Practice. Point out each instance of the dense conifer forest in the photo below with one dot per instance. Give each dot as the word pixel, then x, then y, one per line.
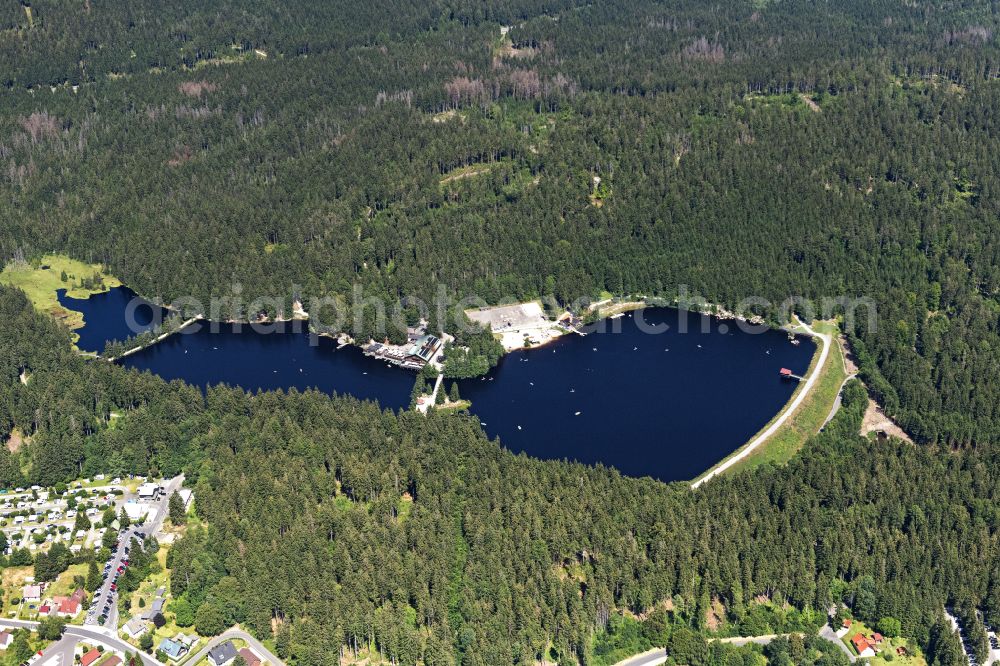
pixel 301 149
pixel 334 525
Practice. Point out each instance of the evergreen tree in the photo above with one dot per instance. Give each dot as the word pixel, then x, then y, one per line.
pixel 282 641
pixel 20 649
pixel 93 580
pixel 81 522
pixel 176 509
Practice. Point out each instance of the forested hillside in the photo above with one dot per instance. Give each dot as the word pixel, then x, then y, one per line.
pixel 333 525
pixel 305 148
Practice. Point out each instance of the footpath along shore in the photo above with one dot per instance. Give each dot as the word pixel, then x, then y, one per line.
pixel 159 338
pixel 785 415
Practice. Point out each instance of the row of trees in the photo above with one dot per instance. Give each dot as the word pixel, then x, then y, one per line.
pixel 115 348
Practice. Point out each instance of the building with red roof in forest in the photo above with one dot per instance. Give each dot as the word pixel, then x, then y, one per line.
pixel 864 646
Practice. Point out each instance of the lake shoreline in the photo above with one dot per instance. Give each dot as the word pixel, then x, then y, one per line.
pixel 690 377
pixel 791 413
pixel 42 280
pixel 605 309
pixel 159 338
pixel 694 396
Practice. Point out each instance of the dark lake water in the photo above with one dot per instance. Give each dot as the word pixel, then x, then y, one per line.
pixel 667 404
pixel 108 316
pixel 238 356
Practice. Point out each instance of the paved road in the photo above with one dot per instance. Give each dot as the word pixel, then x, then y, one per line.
pixel 826 631
pixel 59 653
pixel 74 633
pixel 838 401
pixel 263 652
pixel 651 658
pixel 103 594
pixel 961 635
pixel 659 655
pixel 108 639
pixel 740 641
pixel 780 421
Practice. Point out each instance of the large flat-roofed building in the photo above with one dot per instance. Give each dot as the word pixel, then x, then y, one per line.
pixel 137 511
pixel 424 349
pixel 149 491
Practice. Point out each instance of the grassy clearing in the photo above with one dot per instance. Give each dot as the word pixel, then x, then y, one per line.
pixel 403 507
pixel 147 591
pixel 445 116
pixel 453 407
pixel 613 309
pixel 810 415
pixel 791 100
pixel 14 579
pixel 41 280
pixel 131 485
pixel 64 585
pixel 237 58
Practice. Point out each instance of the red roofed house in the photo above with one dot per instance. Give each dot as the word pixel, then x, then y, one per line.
pixel 861 644
pixel 68 607
pixel 90 657
pixel 250 657
pixel 6 638
pixel 113 660
pixel 847 623
pixel 877 637
pixel 45 609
